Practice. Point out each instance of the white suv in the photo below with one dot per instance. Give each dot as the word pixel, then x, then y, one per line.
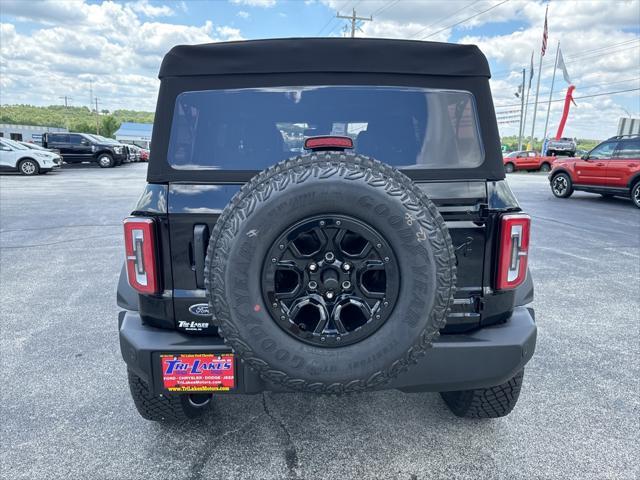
pixel 16 157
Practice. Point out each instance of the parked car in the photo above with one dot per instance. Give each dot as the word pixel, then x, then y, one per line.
pixel 14 156
pixel 527 160
pixel 134 152
pixel 562 146
pixel 330 271
pixel 144 155
pixel 612 168
pixel 35 146
pixel 82 147
pixel 115 143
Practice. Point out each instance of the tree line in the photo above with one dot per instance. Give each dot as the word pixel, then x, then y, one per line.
pixel 76 119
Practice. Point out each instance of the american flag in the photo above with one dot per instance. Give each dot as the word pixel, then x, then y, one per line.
pixel 545 34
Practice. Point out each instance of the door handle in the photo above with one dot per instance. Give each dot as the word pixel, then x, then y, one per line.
pixel 599 164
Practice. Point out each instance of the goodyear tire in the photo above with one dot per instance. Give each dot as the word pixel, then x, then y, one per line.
pixel 354 218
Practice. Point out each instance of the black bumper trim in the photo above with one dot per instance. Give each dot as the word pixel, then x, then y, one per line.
pixel 484 358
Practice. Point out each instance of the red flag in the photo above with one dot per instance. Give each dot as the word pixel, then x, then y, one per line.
pixel 545 34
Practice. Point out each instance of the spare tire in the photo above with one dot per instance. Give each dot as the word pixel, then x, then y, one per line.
pixel 330 273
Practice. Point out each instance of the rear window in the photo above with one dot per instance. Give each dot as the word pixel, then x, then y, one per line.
pixel 251 129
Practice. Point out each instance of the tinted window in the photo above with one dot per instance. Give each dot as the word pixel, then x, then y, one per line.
pixel 603 151
pixel 629 149
pixel 251 129
pixel 58 138
pixel 75 139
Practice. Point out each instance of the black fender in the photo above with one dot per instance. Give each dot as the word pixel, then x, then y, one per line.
pixel 524 293
pixel 126 297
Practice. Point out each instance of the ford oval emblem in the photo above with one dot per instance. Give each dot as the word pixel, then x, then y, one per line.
pixel 200 309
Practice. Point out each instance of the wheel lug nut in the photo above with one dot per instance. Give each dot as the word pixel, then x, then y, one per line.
pixel 275 305
pixel 386 259
pixel 346 267
pixel 313 285
pixel 313 267
pixel 346 285
pixel 338 222
pixel 329 295
pixel 377 317
pixel 329 257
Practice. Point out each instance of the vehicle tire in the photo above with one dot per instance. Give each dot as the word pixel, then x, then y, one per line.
pixel 106 161
pixel 168 407
pixel 635 194
pixel 362 225
pixel 545 167
pixel 28 167
pixel 490 402
pixel 509 168
pixel 561 185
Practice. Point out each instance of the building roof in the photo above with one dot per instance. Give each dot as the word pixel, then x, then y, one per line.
pixel 131 129
pixel 350 55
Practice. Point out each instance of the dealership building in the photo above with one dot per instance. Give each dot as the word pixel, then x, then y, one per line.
pixel 26 133
pixel 135 133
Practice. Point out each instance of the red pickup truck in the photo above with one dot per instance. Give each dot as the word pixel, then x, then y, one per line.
pixel 527 160
pixel 610 169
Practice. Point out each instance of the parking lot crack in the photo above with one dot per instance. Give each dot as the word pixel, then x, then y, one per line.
pixel 290 451
pixel 197 467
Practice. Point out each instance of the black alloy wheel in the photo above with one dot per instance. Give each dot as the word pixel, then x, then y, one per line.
pixel 330 280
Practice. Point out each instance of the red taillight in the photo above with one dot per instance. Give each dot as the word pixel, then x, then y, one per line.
pixel 328 143
pixel 140 248
pixel 514 250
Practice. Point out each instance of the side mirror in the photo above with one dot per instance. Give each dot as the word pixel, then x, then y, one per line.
pixel 585 156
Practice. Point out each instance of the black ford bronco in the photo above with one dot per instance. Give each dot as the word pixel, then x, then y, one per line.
pixel 326 216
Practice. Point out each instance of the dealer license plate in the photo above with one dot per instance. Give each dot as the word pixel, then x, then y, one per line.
pixel 198 372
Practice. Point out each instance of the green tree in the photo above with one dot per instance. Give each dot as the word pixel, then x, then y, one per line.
pixel 109 126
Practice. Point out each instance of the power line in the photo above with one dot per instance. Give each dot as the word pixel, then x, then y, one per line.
pixel 585 87
pixel 444 18
pixel 384 7
pixel 576 98
pixel 572 58
pixel 465 20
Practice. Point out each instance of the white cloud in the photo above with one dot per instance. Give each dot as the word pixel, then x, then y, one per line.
pixel 110 44
pixel 255 3
pixel 243 14
pixel 144 7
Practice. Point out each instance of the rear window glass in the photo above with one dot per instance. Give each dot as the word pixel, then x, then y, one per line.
pixel 251 129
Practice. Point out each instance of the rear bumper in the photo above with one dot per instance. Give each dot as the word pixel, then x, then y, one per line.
pixel 484 358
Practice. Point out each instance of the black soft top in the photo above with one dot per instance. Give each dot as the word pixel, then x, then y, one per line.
pixel 299 55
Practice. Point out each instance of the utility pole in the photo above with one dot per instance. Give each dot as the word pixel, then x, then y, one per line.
pixel 353 18
pixel 97 118
pixel 521 111
pixel 66 109
pixel 553 80
pixel 90 93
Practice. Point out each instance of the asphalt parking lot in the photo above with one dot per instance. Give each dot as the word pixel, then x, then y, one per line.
pixel 66 411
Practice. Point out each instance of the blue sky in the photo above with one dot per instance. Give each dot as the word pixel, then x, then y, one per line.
pixel 117 46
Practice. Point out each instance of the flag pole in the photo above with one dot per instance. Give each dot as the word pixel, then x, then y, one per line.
pixel 535 105
pixel 553 80
pixel 526 103
pixel 521 131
